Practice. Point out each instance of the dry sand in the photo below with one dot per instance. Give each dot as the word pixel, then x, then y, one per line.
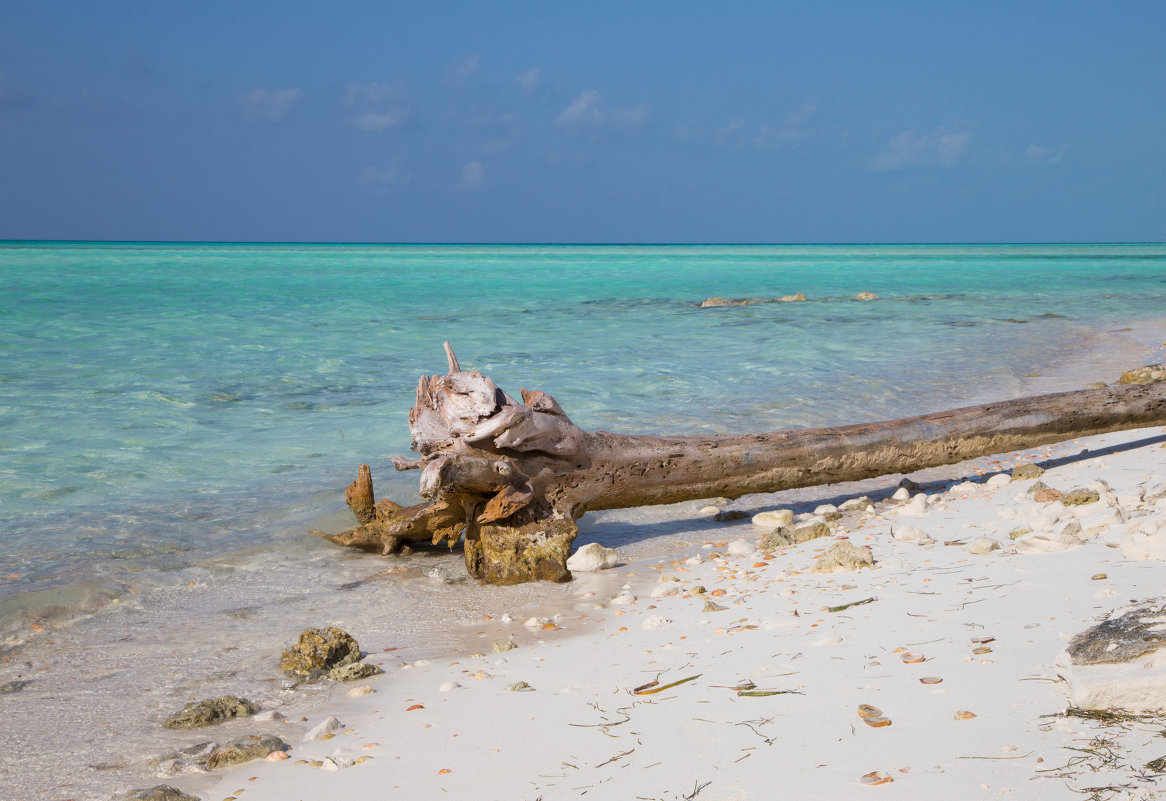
pixel 454 727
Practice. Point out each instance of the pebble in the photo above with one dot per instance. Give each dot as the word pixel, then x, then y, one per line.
pixel 741 548
pixel 655 622
pixel 449 686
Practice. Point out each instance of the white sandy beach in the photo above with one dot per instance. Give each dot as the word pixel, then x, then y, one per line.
pixel 455 728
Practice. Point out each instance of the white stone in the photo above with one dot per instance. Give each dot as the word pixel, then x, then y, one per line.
pixel 997 481
pixel 338 760
pixel 906 533
pixel 981 546
pixel 741 548
pixel 696 559
pixel 655 622
pixel 708 511
pixel 624 597
pixel 535 622
pixel 825 509
pixel 1100 522
pixel 1137 686
pixel 592 557
pixel 916 507
pixel 267 714
pixel 665 589
pixel 1139 545
pixel 773 519
pixel 965 488
pixel 449 687
pixel 328 725
pixel 1132 499
pixel 1046 543
pixel 901 494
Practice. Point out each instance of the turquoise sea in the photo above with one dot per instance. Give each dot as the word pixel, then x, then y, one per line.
pixel 175 418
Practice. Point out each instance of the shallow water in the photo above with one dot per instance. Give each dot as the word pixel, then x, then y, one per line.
pixel 174 419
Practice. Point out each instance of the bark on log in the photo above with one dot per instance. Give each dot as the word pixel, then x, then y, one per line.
pixel 513 478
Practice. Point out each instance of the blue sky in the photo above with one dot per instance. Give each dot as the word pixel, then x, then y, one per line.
pixel 591 122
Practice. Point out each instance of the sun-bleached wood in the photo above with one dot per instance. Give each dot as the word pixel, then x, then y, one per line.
pixel 513 477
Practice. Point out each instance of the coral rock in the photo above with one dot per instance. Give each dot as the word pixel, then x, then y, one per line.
pixel 318 651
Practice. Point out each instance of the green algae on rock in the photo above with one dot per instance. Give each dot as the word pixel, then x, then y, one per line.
pixel 244 749
pixel 1023 472
pixel 1080 497
pixel 319 650
pixel 210 711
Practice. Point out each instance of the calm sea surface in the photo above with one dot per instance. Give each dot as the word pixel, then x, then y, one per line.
pixel 175 418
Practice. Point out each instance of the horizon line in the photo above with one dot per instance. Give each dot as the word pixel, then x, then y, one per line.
pixel 469 243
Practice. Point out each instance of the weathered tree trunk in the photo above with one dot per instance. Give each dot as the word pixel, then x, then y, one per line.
pixel 513 477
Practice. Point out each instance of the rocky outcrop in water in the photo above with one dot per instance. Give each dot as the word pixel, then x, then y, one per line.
pixel 210 711
pixel 319 650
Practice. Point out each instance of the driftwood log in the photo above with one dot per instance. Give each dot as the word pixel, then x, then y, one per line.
pixel 513 478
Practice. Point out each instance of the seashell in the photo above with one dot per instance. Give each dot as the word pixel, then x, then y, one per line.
pixel 878 722
pixel 718 593
pixel 1099 577
pixel 444 771
pixel 875 778
pixel 964 714
pixel 761 564
pixel 931 680
pixel 983 639
pixel 868 711
pixel 912 657
pixel 276 756
pixel 983 649
pixel 415 707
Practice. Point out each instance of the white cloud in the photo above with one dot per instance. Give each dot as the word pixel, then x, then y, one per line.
pixel 461 71
pixel 381 181
pixel 1048 156
pixel 377 106
pixel 792 128
pixel 473 175
pixel 530 80
pixel 941 149
pixel 587 111
pixel 269 105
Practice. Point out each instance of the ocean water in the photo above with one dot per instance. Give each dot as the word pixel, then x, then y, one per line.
pixel 176 418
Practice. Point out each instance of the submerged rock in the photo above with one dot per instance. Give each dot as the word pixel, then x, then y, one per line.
pixel 1120 663
pixel 795 298
pixel 318 651
pixel 210 711
pixel 866 296
pixel 354 671
pixel 161 792
pixel 842 557
pixel 244 749
pixel 592 557
pixel 729 515
pixel 13 686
